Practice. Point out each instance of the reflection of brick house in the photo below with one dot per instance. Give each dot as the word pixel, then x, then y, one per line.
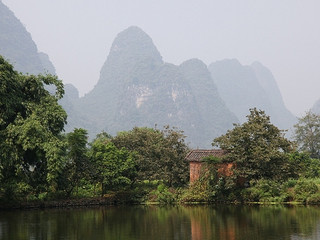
pixel 195 159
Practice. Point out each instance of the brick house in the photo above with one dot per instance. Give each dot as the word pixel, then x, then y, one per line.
pixel 195 159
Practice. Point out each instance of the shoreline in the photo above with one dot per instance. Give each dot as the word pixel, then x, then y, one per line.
pixel 64 203
pixel 110 201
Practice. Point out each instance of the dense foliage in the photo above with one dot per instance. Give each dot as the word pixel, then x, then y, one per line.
pixel 307 134
pixel 31 121
pixel 272 171
pixel 160 154
pixel 113 168
pixel 258 148
pixel 76 166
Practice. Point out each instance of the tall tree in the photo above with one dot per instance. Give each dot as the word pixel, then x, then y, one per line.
pixel 77 165
pixel 175 168
pixel 31 121
pixel 160 154
pixel 146 143
pixel 307 134
pixel 114 168
pixel 257 147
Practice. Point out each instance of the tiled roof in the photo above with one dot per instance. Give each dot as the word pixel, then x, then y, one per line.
pixel 198 154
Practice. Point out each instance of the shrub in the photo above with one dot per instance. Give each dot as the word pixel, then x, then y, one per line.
pixel 304 189
pixel 291 183
pixel 197 192
pixel 163 194
pixel 265 191
pixel 314 199
pixel 43 196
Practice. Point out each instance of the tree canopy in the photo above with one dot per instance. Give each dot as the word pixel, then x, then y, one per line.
pixel 159 154
pixel 77 165
pixel 307 134
pixel 31 121
pixel 258 148
pixel 113 168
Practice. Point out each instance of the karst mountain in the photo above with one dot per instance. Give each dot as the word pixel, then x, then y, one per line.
pixel 137 88
pixel 316 107
pixel 17 46
pixel 243 87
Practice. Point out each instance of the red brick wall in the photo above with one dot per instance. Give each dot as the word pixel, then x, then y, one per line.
pixel 224 169
pixel 195 169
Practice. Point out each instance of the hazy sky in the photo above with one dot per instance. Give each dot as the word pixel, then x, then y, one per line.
pixel 283 35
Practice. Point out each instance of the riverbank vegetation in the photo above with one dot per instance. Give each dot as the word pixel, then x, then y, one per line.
pixel 40 163
pixel 267 167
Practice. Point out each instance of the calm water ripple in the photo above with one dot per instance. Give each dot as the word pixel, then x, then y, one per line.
pixel 167 223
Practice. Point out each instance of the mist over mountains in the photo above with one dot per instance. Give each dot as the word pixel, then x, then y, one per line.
pixel 17 46
pixel 316 107
pixel 245 87
pixel 137 88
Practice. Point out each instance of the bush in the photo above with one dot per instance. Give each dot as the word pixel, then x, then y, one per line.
pixel 197 192
pixel 86 190
pixel 210 188
pixel 314 199
pixel 15 191
pixel 265 191
pixel 304 189
pixel 313 169
pixel 291 183
pixel 163 194
pixel 43 196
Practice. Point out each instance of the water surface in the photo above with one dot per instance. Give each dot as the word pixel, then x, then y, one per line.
pixel 169 223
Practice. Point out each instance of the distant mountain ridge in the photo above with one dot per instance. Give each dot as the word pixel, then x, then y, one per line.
pixel 17 46
pixel 137 88
pixel 244 87
pixel 316 107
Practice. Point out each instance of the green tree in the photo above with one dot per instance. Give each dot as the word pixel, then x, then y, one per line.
pixel 303 165
pixel 146 143
pixel 31 120
pixel 160 154
pixel 307 134
pixel 114 168
pixel 174 168
pixel 257 147
pixel 77 164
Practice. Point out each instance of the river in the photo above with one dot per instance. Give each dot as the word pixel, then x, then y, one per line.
pixel 163 222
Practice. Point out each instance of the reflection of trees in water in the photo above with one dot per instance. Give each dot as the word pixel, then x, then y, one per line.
pixel 134 222
pixel 155 222
pixel 253 222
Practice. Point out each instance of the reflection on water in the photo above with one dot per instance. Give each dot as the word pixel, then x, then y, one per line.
pixel 156 222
